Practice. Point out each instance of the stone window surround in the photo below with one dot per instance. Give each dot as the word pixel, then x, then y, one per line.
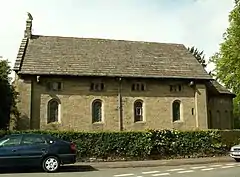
pixel 176 87
pixel 59 110
pixel 101 86
pixel 141 84
pixel 143 110
pixel 51 81
pixel 102 110
pixel 180 110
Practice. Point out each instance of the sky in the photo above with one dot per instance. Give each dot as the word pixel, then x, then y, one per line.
pixel 199 23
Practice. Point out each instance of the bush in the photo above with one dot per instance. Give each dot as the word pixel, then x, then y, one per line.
pixel 151 144
pixel 174 144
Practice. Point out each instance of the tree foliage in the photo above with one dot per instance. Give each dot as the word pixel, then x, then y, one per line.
pixel 8 96
pixel 198 55
pixel 227 60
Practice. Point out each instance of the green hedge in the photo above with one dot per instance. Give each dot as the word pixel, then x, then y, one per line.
pixel 151 144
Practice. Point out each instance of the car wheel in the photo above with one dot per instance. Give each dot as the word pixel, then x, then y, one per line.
pixel 238 160
pixel 50 164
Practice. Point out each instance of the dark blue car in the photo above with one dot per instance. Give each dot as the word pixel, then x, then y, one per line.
pixel 41 150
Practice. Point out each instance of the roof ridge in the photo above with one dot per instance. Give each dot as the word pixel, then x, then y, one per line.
pixel 109 39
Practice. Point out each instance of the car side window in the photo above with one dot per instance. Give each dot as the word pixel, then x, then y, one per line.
pixel 33 140
pixel 10 141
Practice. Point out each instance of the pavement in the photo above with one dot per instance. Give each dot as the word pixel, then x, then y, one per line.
pixel 156 163
pixel 216 169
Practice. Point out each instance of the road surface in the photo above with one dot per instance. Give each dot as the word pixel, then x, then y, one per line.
pixel 206 170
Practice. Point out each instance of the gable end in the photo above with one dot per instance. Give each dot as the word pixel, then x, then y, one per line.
pixel 20 55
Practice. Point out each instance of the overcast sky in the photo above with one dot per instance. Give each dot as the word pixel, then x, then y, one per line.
pixel 192 22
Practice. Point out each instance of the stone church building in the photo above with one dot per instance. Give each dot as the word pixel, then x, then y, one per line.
pixel 71 83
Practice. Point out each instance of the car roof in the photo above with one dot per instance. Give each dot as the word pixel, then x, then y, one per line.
pixel 21 134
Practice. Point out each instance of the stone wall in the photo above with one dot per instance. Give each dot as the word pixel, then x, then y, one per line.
pixel 220 112
pixel 76 99
pixel 24 87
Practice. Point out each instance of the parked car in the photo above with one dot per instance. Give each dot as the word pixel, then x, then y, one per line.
pixel 40 150
pixel 235 152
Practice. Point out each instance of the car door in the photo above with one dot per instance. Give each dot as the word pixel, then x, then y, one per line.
pixel 9 150
pixel 33 147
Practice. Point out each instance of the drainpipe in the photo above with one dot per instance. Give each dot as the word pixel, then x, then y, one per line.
pixel 192 84
pixel 120 110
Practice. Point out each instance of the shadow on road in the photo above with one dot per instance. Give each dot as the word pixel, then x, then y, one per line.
pixel 77 168
pixel 69 168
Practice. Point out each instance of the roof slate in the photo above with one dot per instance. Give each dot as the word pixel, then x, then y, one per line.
pixel 220 88
pixel 21 53
pixel 104 57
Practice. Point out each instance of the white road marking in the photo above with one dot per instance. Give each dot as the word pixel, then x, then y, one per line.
pixel 215 165
pixel 227 166
pixel 187 171
pixel 207 169
pixel 231 164
pixel 199 167
pixel 139 176
pixel 176 169
pixel 130 174
pixel 161 174
pixel 150 172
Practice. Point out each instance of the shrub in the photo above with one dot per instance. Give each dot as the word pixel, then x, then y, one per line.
pixel 152 144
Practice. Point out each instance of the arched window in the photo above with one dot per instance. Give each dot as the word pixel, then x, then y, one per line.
pixel 97 111
pixel 176 110
pixel 226 119
pixel 210 120
pixel 226 115
pixel 218 119
pixel 53 111
pixel 138 111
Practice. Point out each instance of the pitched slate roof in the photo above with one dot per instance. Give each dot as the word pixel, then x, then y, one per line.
pixel 44 55
pixel 216 87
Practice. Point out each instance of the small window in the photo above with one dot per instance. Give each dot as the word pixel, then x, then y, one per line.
pixel 53 111
pixel 138 87
pixel 138 111
pixel 179 88
pixel 175 88
pixel 92 86
pixel 176 110
pixel 226 115
pixel 218 119
pixel 192 111
pixel 227 118
pixel 210 120
pixel 97 111
pixel 97 86
pixel 54 86
pixel 133 87
pixel 102 86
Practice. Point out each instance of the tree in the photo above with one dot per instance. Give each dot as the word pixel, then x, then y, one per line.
pixel 8 96
pixel 227 60
pixel 198 55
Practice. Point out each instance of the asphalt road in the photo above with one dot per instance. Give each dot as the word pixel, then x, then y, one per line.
pixel 206 170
